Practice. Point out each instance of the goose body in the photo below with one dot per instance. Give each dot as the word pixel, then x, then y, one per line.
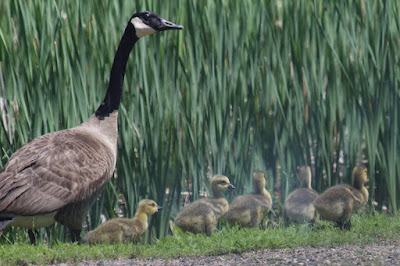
pixel 56 177
pixel 249 210
pixel 299 205
pixel 339 202
pixel 201 216
pixel 123 230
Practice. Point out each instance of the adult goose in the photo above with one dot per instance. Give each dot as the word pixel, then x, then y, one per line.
pixel 56 177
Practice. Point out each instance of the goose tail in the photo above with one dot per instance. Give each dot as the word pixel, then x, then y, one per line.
pixel 4 222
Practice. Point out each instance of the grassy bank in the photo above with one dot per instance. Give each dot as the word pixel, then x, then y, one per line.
pixel 366 229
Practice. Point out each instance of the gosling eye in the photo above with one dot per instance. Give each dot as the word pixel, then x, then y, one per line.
pixel 153 204
pixel 223 182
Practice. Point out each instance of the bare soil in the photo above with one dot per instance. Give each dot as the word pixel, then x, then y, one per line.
pixel 381 253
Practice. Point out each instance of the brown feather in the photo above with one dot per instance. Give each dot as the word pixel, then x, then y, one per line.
pixel 62 171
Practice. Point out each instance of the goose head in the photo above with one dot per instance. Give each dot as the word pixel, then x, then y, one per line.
pixel 303 173
pixel 148 207
pixel 147 22
pixel 219 184
pixel 360 177
pixel 259 181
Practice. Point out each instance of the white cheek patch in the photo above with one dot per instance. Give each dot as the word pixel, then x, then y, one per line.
pixel 141 28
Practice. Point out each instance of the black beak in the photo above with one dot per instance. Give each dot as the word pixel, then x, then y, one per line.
pixel 166 25
pixel 159 207
pixel 230 186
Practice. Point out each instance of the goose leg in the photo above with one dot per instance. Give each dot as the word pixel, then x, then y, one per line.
pixel 75 235
pixel 344 225
pixel 32 236
pixel 347 225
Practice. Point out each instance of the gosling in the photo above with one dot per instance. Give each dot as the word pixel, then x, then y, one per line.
pixel 299 207
pixel 339 202
pixel 201 216
pixel 249 210
pixel 123 230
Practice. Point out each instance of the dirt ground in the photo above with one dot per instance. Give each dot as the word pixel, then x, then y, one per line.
pixel 382 253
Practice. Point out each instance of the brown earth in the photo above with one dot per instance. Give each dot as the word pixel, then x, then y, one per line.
pixel 381 253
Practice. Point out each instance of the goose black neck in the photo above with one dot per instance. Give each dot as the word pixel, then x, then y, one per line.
pixel 114 92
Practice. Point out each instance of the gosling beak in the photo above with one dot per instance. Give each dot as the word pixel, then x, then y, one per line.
pixel 230 186
pixel 167 25
pixel 159 207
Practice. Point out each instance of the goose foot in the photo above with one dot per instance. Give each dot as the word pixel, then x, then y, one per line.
pixel 344 225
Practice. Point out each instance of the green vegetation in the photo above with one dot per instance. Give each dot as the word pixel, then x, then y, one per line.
pixel 366 229
pixel 247 85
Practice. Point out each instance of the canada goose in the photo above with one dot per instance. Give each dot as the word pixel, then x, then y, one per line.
pixel 201 216
pixel 299 207
pixel 249 210
pixel 339 202
pixel 123 230
pixel 57 176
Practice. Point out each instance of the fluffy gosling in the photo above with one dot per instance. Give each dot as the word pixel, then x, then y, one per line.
pixel 339 202
pixel 249 210
pixel 299 206
pixel 201 216
pixel 123 230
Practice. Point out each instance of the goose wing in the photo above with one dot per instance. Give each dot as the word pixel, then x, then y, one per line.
pixel 52 171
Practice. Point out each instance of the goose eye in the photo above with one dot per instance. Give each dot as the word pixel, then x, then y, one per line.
pixel 153 204
pixel 223 182
pixel 145 17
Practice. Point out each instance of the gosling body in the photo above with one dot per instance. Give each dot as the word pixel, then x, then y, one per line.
pixel 249 210
pixel 339 202
pixel 201 216
pixel 299 205
pixel 123 230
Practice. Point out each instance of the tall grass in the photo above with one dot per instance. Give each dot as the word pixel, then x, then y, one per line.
pixel 246 85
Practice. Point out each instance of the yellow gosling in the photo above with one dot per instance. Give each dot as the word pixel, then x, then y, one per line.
pixel 339 202
pixel 123 230
pixel 299 207
pixel 201 216
pixel 249 210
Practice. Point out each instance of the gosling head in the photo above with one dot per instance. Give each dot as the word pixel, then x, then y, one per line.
pixel 360 177
pixel 148 207
pixel 259 181
pixel 147 22
pixel 219 184
pixel 303 173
